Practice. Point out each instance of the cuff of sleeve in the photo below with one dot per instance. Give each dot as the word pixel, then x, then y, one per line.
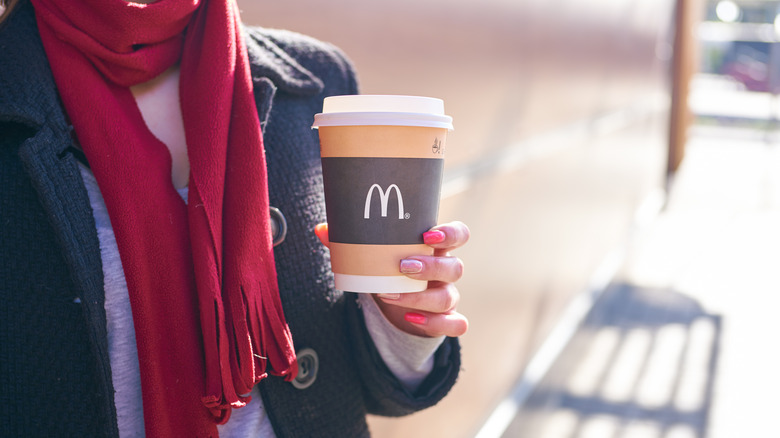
pixel 410 358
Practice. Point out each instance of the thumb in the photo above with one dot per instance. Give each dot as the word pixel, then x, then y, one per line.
pixel 321 230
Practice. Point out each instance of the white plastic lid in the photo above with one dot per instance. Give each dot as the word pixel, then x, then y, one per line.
pixel 383 110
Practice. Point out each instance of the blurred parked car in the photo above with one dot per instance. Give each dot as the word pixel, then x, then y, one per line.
pixel 748 62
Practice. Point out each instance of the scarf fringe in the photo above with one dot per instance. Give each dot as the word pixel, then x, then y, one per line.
pixel 250 335
pixel 282 364
pixel 271 349
pixel 221 396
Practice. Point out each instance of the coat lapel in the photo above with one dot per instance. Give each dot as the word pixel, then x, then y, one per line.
pixel 28 96
pixel 273 69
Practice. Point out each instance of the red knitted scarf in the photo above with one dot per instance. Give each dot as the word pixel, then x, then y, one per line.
pixel 201 275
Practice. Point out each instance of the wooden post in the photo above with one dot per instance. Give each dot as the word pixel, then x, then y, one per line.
pixel 684 65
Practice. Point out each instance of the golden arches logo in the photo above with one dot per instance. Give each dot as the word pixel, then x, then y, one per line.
pixel 384 196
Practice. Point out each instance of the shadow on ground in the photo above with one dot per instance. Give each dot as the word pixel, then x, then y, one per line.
pixel 642 365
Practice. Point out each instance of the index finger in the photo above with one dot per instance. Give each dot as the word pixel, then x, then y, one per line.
pixel 446 237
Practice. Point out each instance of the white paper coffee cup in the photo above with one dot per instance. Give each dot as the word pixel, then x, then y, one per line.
pixel 382 162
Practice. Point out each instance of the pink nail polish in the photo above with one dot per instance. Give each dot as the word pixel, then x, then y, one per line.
pixel 415 318
pixel 411 266
pixel 433 237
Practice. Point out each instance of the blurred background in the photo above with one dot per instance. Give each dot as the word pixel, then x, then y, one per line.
pixel 616 163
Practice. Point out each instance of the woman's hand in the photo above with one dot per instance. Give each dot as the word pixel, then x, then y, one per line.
pixel 431 312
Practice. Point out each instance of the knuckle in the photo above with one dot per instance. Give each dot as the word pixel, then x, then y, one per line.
pixel 460 233
pixel 438 267
pixel 465 233
pixel 449 298
pixel 458 325
pixel 446 301
pixel 447 268
pixel 457 268
pixel 462 328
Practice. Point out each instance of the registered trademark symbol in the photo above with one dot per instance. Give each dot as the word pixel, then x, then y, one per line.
pixel 407 216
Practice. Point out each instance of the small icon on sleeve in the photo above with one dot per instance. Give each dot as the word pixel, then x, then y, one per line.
pixel 438 147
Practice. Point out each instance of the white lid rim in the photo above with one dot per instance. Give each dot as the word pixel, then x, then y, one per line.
pixel 383 102
pixel 382 119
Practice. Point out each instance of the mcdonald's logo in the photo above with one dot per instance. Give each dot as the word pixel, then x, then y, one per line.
pixel 383 199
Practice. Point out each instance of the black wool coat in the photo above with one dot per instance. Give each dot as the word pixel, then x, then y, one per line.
pixel 55 377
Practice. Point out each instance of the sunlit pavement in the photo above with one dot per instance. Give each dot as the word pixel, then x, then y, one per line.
pixel 682 342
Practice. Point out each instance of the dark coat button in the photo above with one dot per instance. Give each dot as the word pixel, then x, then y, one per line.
pixel 308 366
pixel 278 226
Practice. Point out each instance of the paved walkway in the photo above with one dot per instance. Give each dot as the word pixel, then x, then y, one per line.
pixel 682 344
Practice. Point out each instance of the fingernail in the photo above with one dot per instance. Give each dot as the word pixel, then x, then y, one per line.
pixel 415 318
pixel 411 266
pixel 389 296
pixel 433 237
